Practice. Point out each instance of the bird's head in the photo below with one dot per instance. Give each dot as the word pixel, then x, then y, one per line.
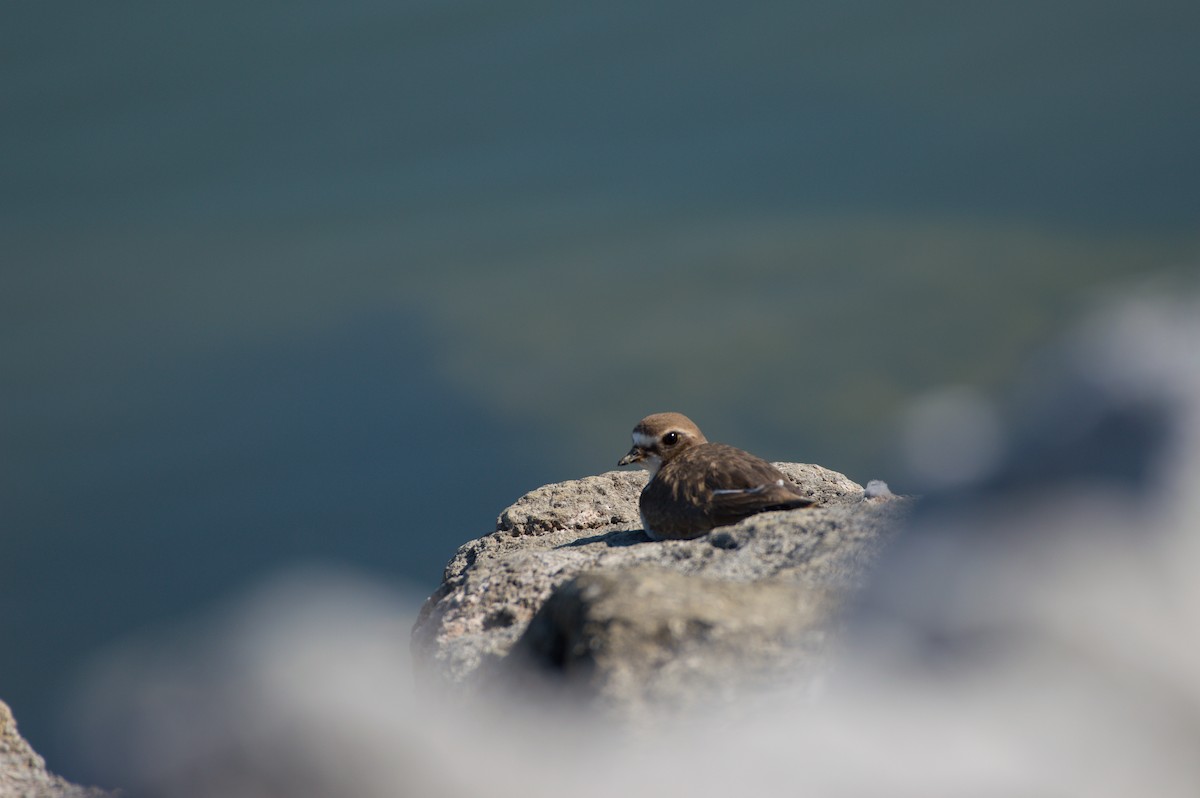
pixel 659 438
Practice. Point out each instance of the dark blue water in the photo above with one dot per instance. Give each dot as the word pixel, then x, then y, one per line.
pixel 301 282
pixel 201 473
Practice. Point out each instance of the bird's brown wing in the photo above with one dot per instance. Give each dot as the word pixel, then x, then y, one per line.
pixel 741 485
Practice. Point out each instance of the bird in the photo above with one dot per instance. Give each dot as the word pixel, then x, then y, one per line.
pixel 696 486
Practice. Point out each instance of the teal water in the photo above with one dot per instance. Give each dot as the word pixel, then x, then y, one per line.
pixel 285 283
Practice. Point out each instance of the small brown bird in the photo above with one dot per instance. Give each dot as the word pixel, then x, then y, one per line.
pixel 696 485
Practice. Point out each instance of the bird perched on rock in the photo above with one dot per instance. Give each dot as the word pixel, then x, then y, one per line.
pixel 696 485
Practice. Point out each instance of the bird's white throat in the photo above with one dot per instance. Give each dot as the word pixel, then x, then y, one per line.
pixel 651 463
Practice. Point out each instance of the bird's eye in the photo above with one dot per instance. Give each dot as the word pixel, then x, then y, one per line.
pixel 671 438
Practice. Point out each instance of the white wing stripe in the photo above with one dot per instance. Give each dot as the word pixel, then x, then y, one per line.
pixel 746 491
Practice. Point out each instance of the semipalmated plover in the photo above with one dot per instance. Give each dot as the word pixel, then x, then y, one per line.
pixel 696 485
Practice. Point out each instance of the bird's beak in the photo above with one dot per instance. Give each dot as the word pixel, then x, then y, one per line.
pixel 636 454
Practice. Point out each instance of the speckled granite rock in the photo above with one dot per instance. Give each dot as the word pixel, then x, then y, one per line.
pixel 625 617
pixel 642 639
pixel 23 772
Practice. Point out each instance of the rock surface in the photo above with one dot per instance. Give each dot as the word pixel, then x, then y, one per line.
pixel 23 772
pixel 569 584
pixel 645 638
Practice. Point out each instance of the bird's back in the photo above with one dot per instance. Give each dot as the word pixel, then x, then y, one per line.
pixel 711 485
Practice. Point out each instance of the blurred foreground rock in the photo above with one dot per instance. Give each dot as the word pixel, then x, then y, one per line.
pixel 1031 631
pixel 23 772
pixel 569 592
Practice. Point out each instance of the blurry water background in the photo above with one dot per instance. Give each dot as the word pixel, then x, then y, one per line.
pixel 337 282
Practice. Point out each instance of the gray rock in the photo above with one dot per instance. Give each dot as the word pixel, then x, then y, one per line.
pixel 23 772
pixel 1102 455
pixel 645 638
pixel 570 575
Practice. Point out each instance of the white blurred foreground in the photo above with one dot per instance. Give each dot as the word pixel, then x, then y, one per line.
pixel 1037 632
